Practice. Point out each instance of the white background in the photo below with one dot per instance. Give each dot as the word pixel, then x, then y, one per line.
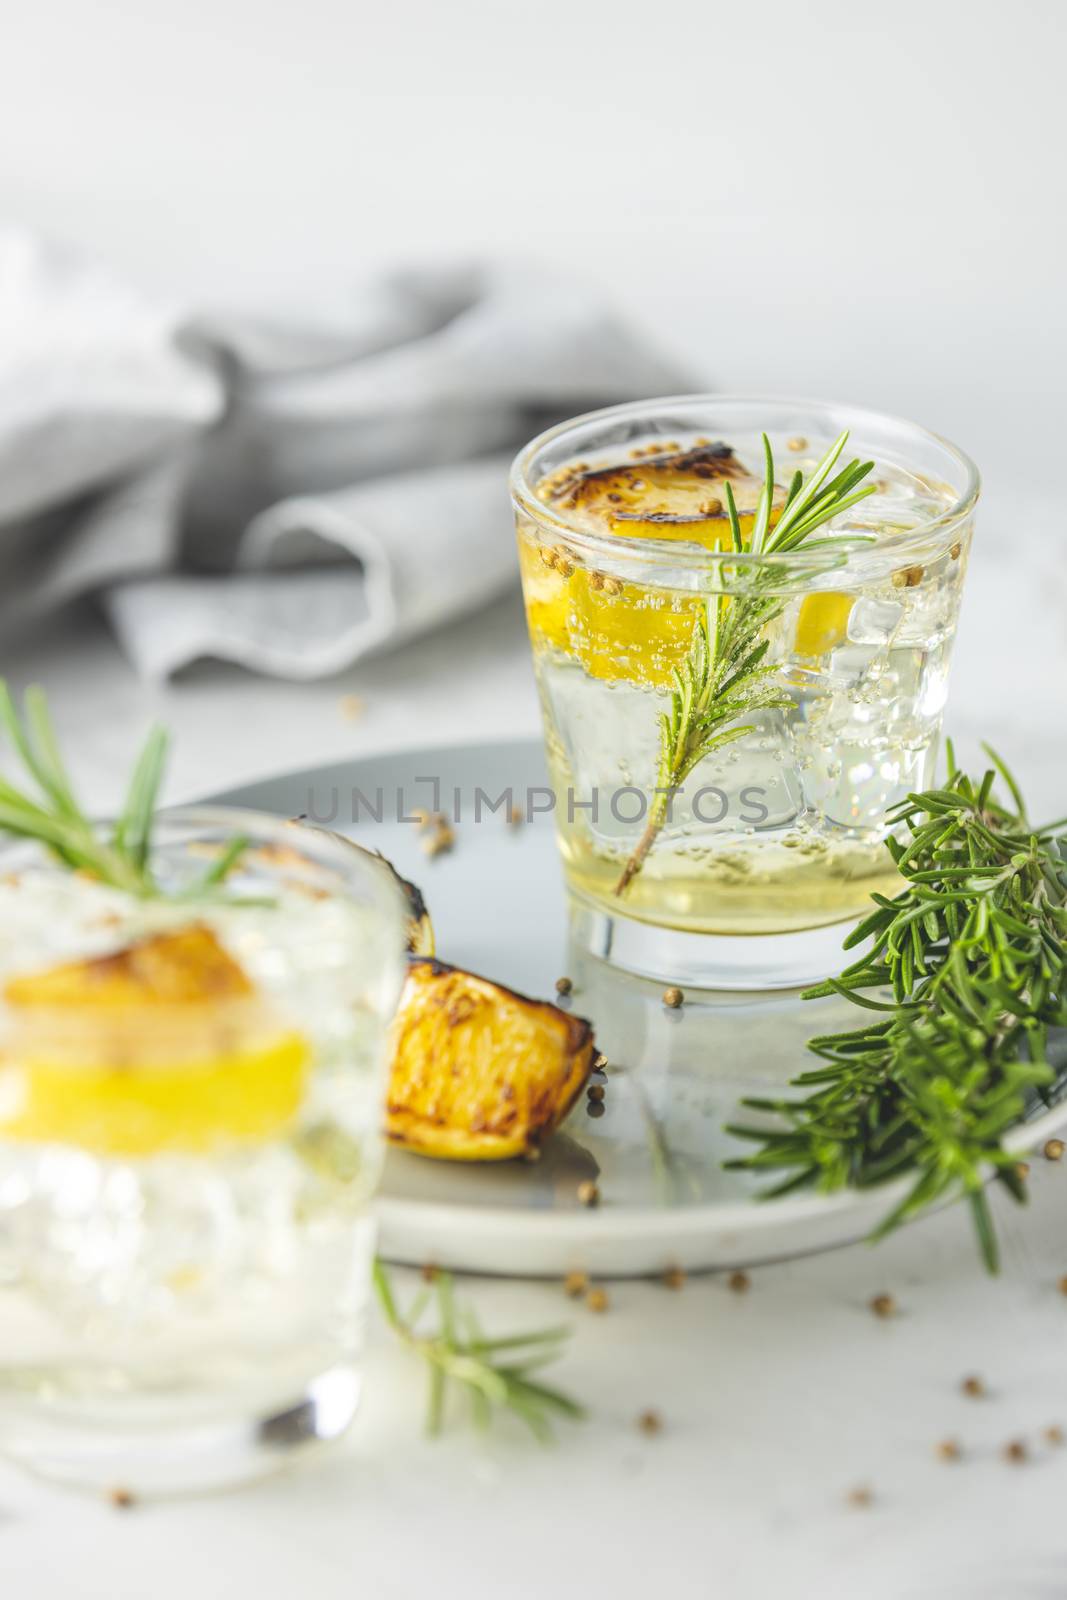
pixel 826 197
pixel 853 201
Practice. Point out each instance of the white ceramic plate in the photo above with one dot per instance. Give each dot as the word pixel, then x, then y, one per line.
pixel 675 1078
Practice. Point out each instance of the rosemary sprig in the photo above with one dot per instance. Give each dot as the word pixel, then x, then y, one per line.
pixel 491 1372
pixel 970 959
pixel 120 857
pixel 725 676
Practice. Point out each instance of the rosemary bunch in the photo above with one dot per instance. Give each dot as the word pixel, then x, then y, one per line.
pixel 725 676
pixel 120 856
pixel 970 960
pixel 491 1372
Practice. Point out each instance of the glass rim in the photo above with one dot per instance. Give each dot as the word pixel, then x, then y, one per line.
pixel 679 552
pixel 356 865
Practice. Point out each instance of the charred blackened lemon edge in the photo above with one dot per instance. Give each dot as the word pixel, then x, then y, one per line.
pixel 479 1072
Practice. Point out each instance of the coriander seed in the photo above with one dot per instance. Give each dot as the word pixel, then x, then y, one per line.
pixel 673 998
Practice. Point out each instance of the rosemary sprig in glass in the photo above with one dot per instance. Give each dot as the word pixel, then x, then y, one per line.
pixel 725 676
pixel 971 958
pixel 493 1373
pixel 121 856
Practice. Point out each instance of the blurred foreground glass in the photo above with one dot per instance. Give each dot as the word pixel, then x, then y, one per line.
pixel 190 1103
pixel 776 837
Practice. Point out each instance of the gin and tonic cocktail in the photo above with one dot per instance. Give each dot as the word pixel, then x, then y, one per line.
pixel 735 695
pixel 191 1088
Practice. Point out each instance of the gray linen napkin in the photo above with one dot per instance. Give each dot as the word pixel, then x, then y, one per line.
pixel 288 494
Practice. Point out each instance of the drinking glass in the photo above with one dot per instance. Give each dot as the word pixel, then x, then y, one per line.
pixel 190 1100
pixel 778 836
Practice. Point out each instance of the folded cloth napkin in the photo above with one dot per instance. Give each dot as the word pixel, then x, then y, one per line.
pixel 286 494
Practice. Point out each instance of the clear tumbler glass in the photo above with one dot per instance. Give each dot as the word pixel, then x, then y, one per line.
pixel 190 1101
pixel 777 836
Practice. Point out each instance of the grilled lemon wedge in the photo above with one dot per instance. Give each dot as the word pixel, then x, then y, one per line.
pixel 625 631
pixel 163 1045
pixel 480 1073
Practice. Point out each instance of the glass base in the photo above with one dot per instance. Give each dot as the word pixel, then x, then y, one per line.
pixel 158 1457
pixel 709 960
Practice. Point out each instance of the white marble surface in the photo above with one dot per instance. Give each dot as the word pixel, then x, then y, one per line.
pixel 775 1403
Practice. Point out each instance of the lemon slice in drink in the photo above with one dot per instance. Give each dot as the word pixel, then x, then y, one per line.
pixel 822 624
pixel 618 630
pixel 164 1045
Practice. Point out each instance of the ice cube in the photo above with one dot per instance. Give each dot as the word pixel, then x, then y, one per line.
pixel 873 621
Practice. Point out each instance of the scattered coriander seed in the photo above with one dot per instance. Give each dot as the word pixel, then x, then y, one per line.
pixel 594 1091
pixel 564 567
pixel 948 1450
pixel 908 577
pixel 861 1496
pixel 596 580
pixel 588 1193
pixel 739 1282
pixel 575 1284
pixel 1053 1434
pixel 352 706
pixel 674 1278
pixel 516 817
pixel 1062 1285
pixel 650 1422
pixel 597 1300
pixel 564 985
pixel 595 1108
pixel 600 1061
pixel 636 454
pixel 954 553
pixel 612 586
pixel 420 817
pixel 121 1498
pixel 1023 1169
pixel 429 1272
pixel 673 998
pixel 711 508
pixel 532 1154
pixel 1015 1451
pixel 883 1305
pixel 973 1386
pixel 441 839
pixel 796 444
pixel 701 443
pixel 1053 1150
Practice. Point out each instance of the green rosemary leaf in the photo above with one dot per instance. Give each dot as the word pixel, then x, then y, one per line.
pixel 724 677
pixel 973 953
pixel 133 830
pixel 457 1354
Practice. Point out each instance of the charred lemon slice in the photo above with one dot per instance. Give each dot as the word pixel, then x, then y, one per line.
pixel 478 1072
pixel 164 1045
pixel 620 631
pixel 660 493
